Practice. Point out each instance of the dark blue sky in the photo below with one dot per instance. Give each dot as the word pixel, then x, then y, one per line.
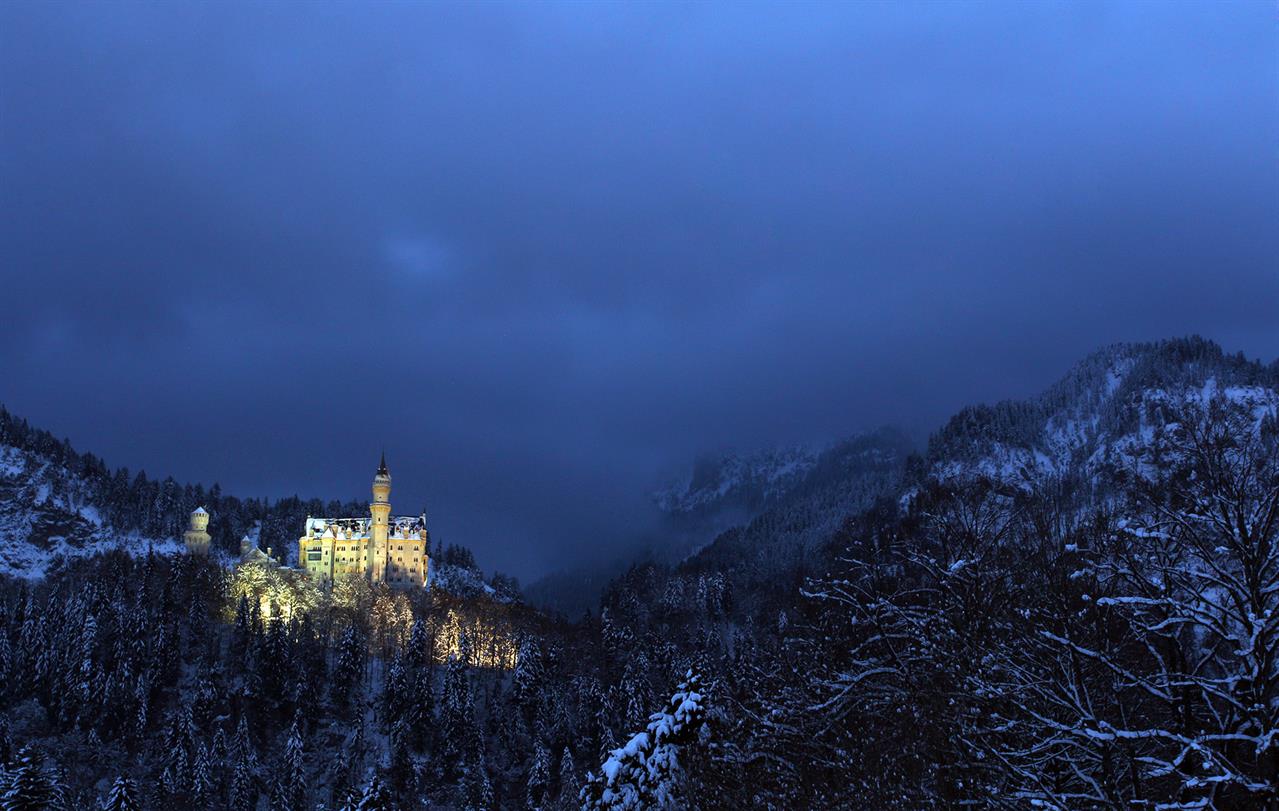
pixel 543 252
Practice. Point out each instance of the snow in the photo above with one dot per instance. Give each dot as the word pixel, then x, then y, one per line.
pixel 1079 437
pixel 764 475
pixel 639 775
pixel 46 515
pixel 399 526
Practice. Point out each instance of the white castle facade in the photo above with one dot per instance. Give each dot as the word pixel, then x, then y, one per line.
pixel 385 549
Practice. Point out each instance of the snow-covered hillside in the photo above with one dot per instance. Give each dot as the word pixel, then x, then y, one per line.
pixel 48 511
pixel 750 481
pixel 1097 416
pixel 840 481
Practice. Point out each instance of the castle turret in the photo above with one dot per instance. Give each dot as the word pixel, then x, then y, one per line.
pixel 197 536
pixel 380 508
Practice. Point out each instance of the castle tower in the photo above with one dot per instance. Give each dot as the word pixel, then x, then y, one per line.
pixel 197 536
pixel 380 508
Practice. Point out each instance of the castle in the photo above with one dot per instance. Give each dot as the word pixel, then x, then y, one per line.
pixel 381 548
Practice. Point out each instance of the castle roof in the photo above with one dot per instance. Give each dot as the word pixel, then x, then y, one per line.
pixel 398 526
pixel 381 468
pixel 199 511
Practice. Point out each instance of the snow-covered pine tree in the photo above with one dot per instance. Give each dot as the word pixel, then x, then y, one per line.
pixel 569 786
pixel 288 791
pixel 348 671
pixel 7 749
pixel 636 688
pixel 122 796
pixel 399 770
pixel 418 654
pixel 204 786
pixel 539 777
pixel 394 694
pixel 30 787
pixel 243 792
pixel 419 714
pixel 457 715
pixel 645 773
pixel 376 796
pixel 528 674
pixel 477 789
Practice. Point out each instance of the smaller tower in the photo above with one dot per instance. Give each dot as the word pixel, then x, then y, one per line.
pixel 197 536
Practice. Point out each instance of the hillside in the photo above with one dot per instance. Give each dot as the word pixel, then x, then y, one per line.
pixel 1050 608
pixel 47 511
pixel 57 503
pixel 1095 416
pixel 764 510
pixel 795 520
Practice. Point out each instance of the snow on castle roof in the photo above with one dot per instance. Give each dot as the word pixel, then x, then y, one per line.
pixel 399 525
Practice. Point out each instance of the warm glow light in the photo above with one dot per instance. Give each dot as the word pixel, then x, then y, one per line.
pixel 283 594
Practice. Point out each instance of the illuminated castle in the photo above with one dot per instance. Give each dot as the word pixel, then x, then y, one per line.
pixel 384 549
pixel 197 537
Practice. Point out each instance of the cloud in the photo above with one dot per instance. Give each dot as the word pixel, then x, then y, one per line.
pixel 543 252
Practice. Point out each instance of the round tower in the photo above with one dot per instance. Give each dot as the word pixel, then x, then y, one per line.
pixel 197 536
pixel 380 508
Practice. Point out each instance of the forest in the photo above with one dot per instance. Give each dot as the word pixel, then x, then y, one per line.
pixel 1099 642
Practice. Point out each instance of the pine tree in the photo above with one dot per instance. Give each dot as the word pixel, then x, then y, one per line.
pixel 528 675
pixel 539 777
pixel 477 789
pixel 569 786
pixel 418 654
pixel 400 766
pixel 203 785
pixel 289 791
pixel 7 750
pixel 244 789
pixel 30 787
pixel 645 773
pixel 174 778
pixel 394 694
pixel 635 686
pixel 457 717
pixel 123 796
pixel 420 712
pixel 179 747
pixel 346 771
pixel 241 634
pixel 348 670
pixel 244 785
pixel 376 797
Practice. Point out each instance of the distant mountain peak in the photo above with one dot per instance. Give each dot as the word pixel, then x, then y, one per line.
pixel 732 478
pixel 1101 403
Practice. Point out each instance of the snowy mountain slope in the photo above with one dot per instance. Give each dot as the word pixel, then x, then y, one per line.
pixel 46 510
pixel 743 510
pixel 732 490
pixel 750 481
pixel 1100 416
pixel 1097 416
pixel 843 480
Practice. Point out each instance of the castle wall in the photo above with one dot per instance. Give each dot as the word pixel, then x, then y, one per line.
pixel 402 560
pixel 393 551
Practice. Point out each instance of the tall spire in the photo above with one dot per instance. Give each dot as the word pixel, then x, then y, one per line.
pixel 381 468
